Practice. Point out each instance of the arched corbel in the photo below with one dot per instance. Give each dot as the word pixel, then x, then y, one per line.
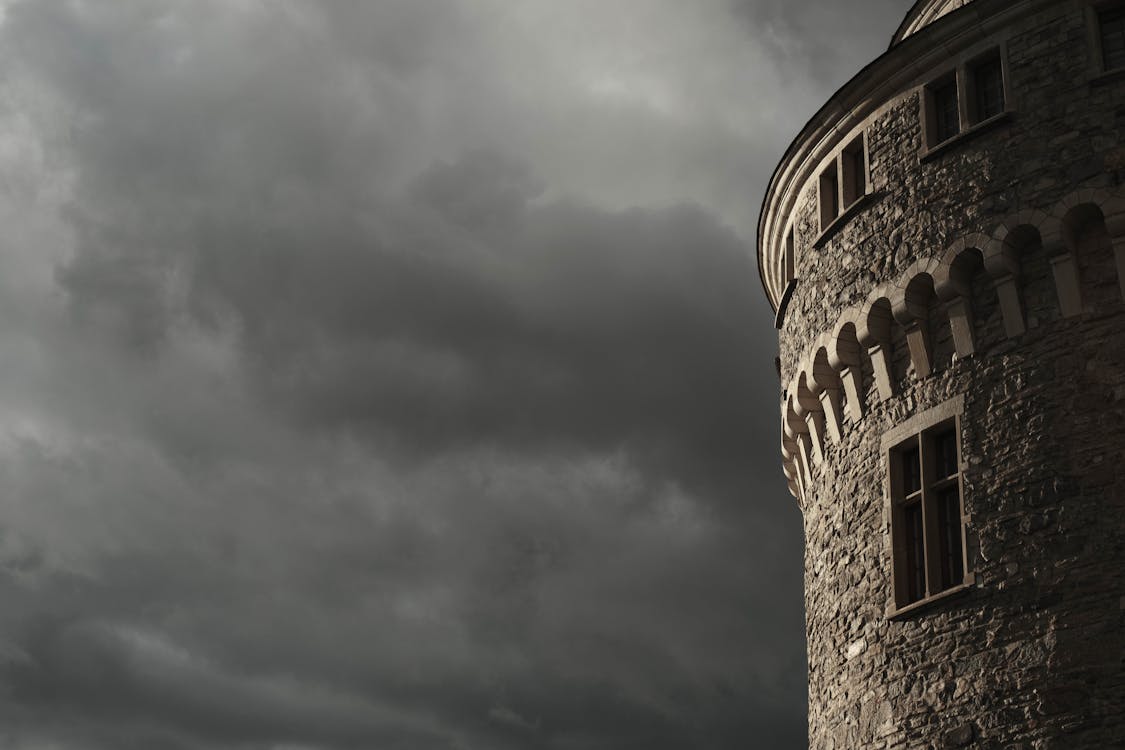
pixel 911 307
pixel 874 334
pixel 1001 260
pixel 792 479
pixel 825 385
pixel 844 357
pixel 810 409
pixel 953 285
pixel 797 430
pixel 1060 242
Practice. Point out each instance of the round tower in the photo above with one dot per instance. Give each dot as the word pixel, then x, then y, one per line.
pixel 944 247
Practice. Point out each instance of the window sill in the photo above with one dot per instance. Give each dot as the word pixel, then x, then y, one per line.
pixel 914 607
pixel 1103 77
pixel 972 132
pixel 857 205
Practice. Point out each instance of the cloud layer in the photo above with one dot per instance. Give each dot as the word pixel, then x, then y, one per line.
pixel 396 374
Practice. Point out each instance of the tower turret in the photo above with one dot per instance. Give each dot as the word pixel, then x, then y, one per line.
pixel 944 247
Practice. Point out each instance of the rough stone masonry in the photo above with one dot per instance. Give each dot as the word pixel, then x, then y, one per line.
pixel 944 244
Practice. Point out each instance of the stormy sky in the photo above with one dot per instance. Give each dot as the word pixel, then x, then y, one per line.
pixel 396 374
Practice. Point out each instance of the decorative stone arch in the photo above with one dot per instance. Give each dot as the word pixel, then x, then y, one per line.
pixel 1079 210
pixel 809 408
pixel 953 282
pixel 874 333
pixel 910 305
pixel 844 355
pixel 1002 261
pixel 959 263
pixel 826 386
pixel 796 430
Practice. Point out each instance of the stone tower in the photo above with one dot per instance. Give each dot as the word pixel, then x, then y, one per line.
pixel 944 246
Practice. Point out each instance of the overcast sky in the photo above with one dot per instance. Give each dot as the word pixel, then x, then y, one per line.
pixel 396 374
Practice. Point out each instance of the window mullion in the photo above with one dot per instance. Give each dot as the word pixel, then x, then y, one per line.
pixel 963 116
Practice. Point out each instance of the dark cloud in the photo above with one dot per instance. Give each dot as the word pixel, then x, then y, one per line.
pixel 396 375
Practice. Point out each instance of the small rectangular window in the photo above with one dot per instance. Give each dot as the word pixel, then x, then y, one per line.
pixel 926 517
pixel 1111 24
pixel 988 86
pixel 947 118
pixel 790 257
pixel 853 165
pixel 829 197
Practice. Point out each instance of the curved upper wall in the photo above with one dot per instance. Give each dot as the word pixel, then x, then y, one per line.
pixel 923 14
pixel 911 62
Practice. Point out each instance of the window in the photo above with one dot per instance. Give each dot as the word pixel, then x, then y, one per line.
pixel 843 183
pixel 829 196
pixel 1111 28
pixel 972 95
pixel 947 116
pixel 853 171
pixel 988 87
pixel 790 260
pixel 928 534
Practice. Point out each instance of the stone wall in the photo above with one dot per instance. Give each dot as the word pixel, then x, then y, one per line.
pixel 1032 655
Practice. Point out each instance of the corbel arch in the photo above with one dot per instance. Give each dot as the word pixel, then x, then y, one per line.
pixel 953 283
pixel 810 409
pixel 844 356
pixel 1010 239
pixel 911 308
pixel 826 386
pixel 874 333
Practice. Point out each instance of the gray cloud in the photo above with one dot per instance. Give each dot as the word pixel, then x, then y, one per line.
pixel 395 375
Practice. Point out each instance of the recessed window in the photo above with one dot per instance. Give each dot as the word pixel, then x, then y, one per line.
pixel 946 112
pixel 988 89
pixel 1111 27
pixel 829 196
pixel 926 514
pixel 974 94
pixel 853 172
pixel 841 186
pixel 790 260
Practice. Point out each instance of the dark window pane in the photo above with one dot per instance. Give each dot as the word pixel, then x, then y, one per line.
pixel 988 79
pixel 829 197
pixel 1113 38
pixel 949 520
pixel 790 258
pixel 946 118
pixel 915 553
pixel 855 181
pixel 945 453
pixel 911 471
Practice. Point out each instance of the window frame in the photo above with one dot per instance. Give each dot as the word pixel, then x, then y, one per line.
pixel 788 271
pixel 828 194
pixel 921 433
pixel 962 76
pixel 934 136
pixel 972 99
pixel 853 173
pixel 843 186
pixel 1094 13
